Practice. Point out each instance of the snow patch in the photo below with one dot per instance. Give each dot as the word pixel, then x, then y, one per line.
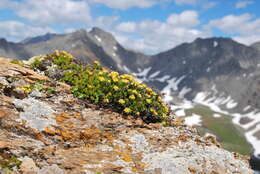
pixel 253 140
pixel 215 44
pixel 231 104
pixel 246 108
pixel 154 74
pixel 193 120
pixel 184 91
pixel 217 115
pixel 98 38
pixel 163 79
pixel 180 113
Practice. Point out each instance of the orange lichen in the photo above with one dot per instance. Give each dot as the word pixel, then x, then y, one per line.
pixel 62 117
pixel 192 169
pixel 49 131
pixel 125 156
pixel 94 135
pixel 183 137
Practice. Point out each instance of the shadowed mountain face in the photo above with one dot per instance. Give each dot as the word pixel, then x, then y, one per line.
pixel 256 45
pixel 219 66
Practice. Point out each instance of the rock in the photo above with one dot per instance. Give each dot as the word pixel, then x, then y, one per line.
pixel 51 170
pixel 28 166
pixel 62 134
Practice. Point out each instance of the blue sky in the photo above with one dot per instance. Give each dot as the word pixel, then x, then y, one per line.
pixel 148 26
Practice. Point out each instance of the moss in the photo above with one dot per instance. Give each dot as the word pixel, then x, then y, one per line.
pixel 9 161
pixel 122 92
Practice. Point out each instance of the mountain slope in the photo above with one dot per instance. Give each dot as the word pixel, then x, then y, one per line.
pixel 256 45
pixel 86 46
pixel 214 65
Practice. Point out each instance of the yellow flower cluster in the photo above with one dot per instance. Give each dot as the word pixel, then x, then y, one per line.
pixel 121 101
pixel 109 88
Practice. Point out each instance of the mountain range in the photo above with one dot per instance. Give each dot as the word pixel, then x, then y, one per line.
pixel 219 73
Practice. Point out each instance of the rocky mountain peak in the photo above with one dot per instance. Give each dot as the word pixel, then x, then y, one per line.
pixel 42 38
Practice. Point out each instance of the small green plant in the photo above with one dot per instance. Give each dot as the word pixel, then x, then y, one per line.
pixel 18 62
pixel 39 86
pixel 9 161
pixel 36 63
pixel 123 92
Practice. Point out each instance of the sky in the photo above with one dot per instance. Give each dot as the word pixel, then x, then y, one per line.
pixel 148 26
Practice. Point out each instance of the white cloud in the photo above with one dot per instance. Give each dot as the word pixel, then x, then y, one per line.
pixel 247 40
pixel 189 2
pixel 126 27
pixel 16 31
pixel 52 12
pixel 244 28
pixel 125 4
pixel 232 24
pixel 185 19
pixel 243 4
pixel 153 36
pixel 203 3
pixel 105 22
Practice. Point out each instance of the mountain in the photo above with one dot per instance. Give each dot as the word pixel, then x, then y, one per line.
pixel 256 45
pixel 219 67
pixel 10 49
pixel 46 129
pixel 38 39
pixel 87 46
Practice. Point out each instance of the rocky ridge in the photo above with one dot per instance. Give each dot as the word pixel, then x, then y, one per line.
pixel 51 131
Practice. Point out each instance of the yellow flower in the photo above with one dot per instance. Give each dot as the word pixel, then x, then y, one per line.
pixel 121 101
pixel 101 79
pixel 125 81
pixel 132 97
pixel 89 86
pixel 153 94
pixel 137 113
pixel 149 101
pixel 115 79
pixel 149 89
pixel 147 95
pixel 166 108
pixel 152 109
pixel 115 88
pixel 134 91
pixel 113 74
pixel 105 100
pixel 164 116
pixel 127 110
pixel 127 76
pixel 96 63
pixel 104 71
